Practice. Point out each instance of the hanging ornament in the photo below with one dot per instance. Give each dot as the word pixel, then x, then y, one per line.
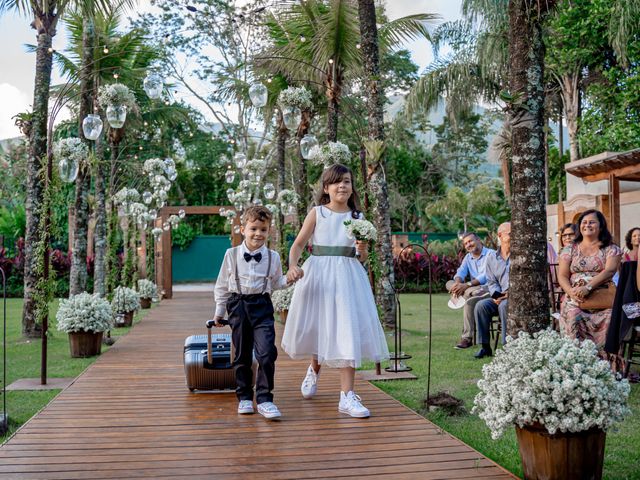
pixel 182 213
pixel 172 174
pixel 306 144
pixel 291 117
pixel 166 226
pixel 236 229
pixel 258 95
pixel 291 210
pixel 230 193
pixel 68 169
pixel 240 159
pixel 153 85
pixel 269 191
pixel 257 201
pixel 116 115
pixel 153 214
pixel 229 176
pixel 92 126
pixel 147 197
pixel 222 211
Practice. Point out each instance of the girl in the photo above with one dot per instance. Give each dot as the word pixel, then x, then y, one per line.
pixel 333 316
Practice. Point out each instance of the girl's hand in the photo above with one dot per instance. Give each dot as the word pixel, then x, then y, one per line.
pixel 294 274
pixel 362 247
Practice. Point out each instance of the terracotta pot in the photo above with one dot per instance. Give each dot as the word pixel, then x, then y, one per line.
pixel 85 344
pixel 562 456
pixel 283 316
pixel 145 303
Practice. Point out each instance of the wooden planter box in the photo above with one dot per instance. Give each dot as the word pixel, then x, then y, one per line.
pixel 128 320
pixel 562 456
pixel 145 303
pixel 85 344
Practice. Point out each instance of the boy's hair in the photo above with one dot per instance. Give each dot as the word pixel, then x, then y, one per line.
pixel 334 174
pixel 256 212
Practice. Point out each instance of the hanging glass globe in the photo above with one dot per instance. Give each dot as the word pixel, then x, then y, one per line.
pixel 172 174
pixel 153 214
pixel 153 85
pixel 116 115
pixel 240 159
pixel 230 193
pixel 166 226
pixel 269 191
pixel 258 95
pixel 169 164
pixel 68 169
pixel 92 126
pixel 182 213
pixel 229 176
pixel 258 177
pixel 251 176
pixel 237 206
pixel 175 225
pixel 291 210
pixel 257 201
pixel 236 229
pixel 306 144
pixel 222 211
pixel 147 197
pixel 291 117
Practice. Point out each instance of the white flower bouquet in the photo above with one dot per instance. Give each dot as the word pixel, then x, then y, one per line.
pixel 287 197
pixel 84 312
pixel 330 153
pixel 550 380
pixel 116 94
pixel 147 289
pixel 153 167
pixel 256 166
pixel 361 229
pixel 125 300
pixel 70 148
pixel 298 97
pixel 281 299
pixel 126 196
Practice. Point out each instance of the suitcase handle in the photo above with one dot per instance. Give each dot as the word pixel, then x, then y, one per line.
pixel 210 323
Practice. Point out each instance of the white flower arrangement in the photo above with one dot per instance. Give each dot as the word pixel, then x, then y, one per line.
pixel 281 299
pixel 156 232
pixel 242 197
pixel 287 197
pixel 153 167
pixel 125 300
pixel 551 380
pixel 229 214
pixel 126 196
pixel 361 229
pixel 298 97
pixel 160 182
pixel 330 153
pixel 147 289
pixel 116 94
pixel 84 312
pixel 71 148
pixel 273 208
pixel 256 166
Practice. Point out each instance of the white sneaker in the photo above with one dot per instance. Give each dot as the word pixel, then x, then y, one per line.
pixel 309 385
pixel 245 407
pixel 268 410
pixel 351 404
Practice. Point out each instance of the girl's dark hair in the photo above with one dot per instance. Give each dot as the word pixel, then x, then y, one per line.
pixel 604 236
pixel 627 237
pixel 332 175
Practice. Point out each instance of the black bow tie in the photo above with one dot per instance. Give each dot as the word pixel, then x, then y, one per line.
pixel 257 257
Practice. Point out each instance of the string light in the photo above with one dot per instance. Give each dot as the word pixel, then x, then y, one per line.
pixel 50 50
pixel 303 38
pixel 269 80
pixel 331 60
pixel 140 147
pixel 358 46
pixel 146 124
pixel 116 76
pixel 166 102
pixel 105 49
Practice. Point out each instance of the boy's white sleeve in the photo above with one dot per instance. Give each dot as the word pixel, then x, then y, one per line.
pixel 278 280
pixel 221 291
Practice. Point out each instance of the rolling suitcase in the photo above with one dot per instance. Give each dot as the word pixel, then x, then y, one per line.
pixel 208 361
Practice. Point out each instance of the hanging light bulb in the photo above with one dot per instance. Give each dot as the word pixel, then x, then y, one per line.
pixel 153 85
pixel 306 144
pixel 240 159
pixel 92 126
pixel 258 95
pixel 303 38
pixel 105 50
pixel 269 191
pixel 331 60
pixel 358 46
pixel 116 76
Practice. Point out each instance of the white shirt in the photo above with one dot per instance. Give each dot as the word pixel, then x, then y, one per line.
pixel 251 275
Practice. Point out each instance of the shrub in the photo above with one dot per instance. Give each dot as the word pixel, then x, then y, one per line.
pixel 125 300
pixel 84 312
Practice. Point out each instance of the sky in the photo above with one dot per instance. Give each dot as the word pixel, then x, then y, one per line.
pixel 17 71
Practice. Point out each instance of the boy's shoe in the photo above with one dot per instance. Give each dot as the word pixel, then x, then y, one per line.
pixel 245 407
pixel 309 385
pixel 268 410
pixel 351 404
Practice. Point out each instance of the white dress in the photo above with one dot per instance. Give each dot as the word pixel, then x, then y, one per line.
pixel 333 314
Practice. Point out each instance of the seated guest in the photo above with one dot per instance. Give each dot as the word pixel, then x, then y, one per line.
pixel 497 272
pixel 472 290
pixel 568 234
pixel 632 244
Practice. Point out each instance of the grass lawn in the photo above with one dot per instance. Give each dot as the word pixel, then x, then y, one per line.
pixel 456 372
pixel 23 361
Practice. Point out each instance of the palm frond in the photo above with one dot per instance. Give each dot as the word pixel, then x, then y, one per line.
pixel 405 29
pixel 624 25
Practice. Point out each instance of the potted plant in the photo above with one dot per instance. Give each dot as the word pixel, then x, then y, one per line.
pixel 117 100
pixel 84 317
pixel 561 398
pixel 281 300
pixel 146 291
pixel 124 303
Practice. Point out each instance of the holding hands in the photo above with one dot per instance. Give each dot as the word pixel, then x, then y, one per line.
pixel 294 274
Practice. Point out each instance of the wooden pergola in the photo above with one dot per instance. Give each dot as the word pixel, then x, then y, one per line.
pixel 163 260
pixel 610 166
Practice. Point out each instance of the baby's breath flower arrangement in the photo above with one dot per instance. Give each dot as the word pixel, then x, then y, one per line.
pixel 116 94
pixel 298 97
pixel 153 167
pixel 72 149
pixel 147 289
pixel 126 196
pixel 287 199
pixel 256 166
pixel 281 299
pixel 330 153
pixel 125 300
pixel 361 229
pixel 84 313
pixel 551 380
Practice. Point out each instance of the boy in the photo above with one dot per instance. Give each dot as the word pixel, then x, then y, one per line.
pixel 249 273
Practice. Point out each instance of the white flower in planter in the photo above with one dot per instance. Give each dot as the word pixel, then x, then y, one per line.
pixel 147 289
pixel 84 312
pixel 125 300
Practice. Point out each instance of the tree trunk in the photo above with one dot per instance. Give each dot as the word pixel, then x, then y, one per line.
pixel 281 141
pixel 376 182
pixel 570 92
pixel 100 237
pixel 334 87
pixel 302 187
pixel 46 28
pixel 78 273
pixel 528 298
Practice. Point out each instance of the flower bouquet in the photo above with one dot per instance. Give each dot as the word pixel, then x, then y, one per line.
pixel 281 300
pixel 361 230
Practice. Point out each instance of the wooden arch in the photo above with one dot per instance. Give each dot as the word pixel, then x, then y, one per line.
pixel 162 259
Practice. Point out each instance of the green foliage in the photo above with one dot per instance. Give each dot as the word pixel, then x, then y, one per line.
pixel 13 222
pixel 557 176
pixel 183 235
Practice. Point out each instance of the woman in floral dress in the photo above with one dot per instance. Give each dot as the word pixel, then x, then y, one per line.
pixel 590 262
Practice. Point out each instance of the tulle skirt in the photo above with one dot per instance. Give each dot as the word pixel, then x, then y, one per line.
pixel 333 315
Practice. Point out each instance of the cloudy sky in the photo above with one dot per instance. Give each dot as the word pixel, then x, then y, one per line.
pixel 16 75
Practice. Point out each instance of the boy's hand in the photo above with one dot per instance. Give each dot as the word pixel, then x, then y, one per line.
pixel 217 322
pixel 294 274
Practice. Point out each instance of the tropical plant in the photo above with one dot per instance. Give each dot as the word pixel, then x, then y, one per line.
pixel 84 313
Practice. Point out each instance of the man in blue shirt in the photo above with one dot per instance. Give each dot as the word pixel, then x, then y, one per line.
pixel 497 272
pixel 473 290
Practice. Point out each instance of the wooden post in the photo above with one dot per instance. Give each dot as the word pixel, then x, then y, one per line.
pixel 614 207
pixel 167 281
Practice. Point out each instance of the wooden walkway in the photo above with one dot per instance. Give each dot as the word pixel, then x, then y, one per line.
pixel 130 415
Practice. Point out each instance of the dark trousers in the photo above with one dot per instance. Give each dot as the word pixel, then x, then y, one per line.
pixel 252 325
pixel 485 310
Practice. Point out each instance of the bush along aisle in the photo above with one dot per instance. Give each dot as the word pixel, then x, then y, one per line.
pixel 84 317
pixel 124 304
pixel 560 396
pixel 281 300
pixel 147 290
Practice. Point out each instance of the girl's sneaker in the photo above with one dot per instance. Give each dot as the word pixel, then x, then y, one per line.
pixel 309 385
pixel 351 404
pixel 245 407
pixel 268 410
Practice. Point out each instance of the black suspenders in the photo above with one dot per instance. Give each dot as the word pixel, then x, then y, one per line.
pixel 235 266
